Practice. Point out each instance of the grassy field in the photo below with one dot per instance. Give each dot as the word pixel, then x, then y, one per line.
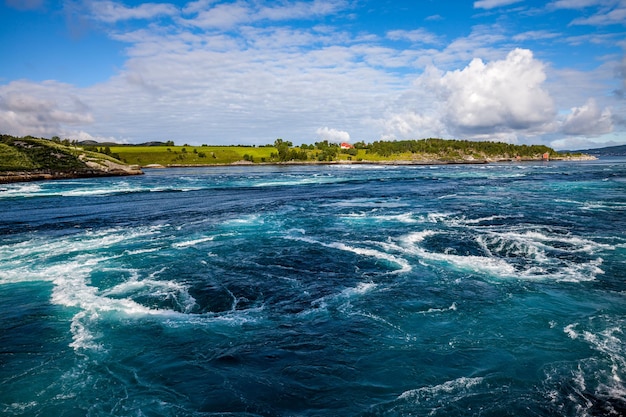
pixel 191 155
pixel 209 155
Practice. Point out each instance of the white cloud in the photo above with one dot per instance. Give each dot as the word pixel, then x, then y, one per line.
pixel 415 36
pixel 616 16
pixel 501 95
pixel 111 12
pixel 536 35
pixel 41 109
pixel 576 4
pixel 333 135
pixel 578 143
pixel 302 10
pixel 262 77
pixel 608 12
pixel 588 120
pixel 229 15
pixel 622 73
pixel 223 16
pixel 492 4
pixel 498 100
pixel 412 125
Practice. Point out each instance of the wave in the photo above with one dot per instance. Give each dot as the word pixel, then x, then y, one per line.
pixel 20 190
pixel 407 218
pixel 402 264
pixel 447 398
pixel 194 242
pixel 297 180
pixel 593 385
pixel 79 264
pixel 458 386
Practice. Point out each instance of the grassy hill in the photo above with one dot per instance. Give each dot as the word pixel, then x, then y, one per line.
pixel 30 158
pixel 191 155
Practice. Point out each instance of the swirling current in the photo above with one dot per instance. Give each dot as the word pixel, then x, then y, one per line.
pixel 340 290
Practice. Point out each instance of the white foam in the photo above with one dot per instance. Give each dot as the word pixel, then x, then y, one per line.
pixel 440 310
pixel 570 331
pixel 316 179
pixel 20 190
pixel 459 384
pixel 495 266
pixel 574 243
pixel 404 265
pixel 610 365
pixel 141 251
pixel 252 219
pixel 366 203
pixel 360 289
pixel 194 242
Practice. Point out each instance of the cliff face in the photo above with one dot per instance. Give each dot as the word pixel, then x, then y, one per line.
pixel 32 159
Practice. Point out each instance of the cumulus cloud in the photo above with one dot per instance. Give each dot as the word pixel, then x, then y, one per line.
pixel 504 94
pixel 502 99
pixel 588 120
pixel 333 135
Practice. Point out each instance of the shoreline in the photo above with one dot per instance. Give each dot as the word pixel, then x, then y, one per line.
pixel 8 177
pixel 399 162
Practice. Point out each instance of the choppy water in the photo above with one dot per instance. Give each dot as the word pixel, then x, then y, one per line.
pixel 491 290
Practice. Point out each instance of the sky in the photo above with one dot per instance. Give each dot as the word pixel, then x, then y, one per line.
pixel 251 71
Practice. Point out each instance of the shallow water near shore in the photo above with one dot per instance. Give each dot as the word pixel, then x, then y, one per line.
pixel 465 290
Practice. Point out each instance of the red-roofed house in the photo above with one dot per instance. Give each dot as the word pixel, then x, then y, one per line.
pixel 346 145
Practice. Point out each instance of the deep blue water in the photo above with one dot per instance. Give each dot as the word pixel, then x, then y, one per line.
pixel 476 290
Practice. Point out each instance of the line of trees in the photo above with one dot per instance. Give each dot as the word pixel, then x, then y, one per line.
pixel 435 146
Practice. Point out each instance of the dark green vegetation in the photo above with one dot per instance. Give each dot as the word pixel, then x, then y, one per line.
pixel 31 158
pixel 451 149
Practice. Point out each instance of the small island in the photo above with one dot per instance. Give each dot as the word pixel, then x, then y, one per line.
pixel 29 158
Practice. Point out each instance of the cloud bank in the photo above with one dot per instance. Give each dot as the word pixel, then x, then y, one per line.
pixel 220 72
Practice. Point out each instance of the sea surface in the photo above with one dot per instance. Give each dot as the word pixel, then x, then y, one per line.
pixel 343 290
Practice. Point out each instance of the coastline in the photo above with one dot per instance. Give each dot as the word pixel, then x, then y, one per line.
pixel 388 162
pixel 114 170
pixel 11 177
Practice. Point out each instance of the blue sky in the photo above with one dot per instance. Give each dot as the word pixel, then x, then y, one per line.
pixel 250 71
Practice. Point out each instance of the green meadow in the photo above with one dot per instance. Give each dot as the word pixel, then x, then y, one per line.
pixel 191 155
pixel 209 155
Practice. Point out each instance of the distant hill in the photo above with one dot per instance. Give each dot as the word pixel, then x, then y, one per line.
pixel 607 151
pixel 29 159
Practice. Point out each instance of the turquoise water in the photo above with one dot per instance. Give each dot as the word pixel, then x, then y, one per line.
pixel 476 290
